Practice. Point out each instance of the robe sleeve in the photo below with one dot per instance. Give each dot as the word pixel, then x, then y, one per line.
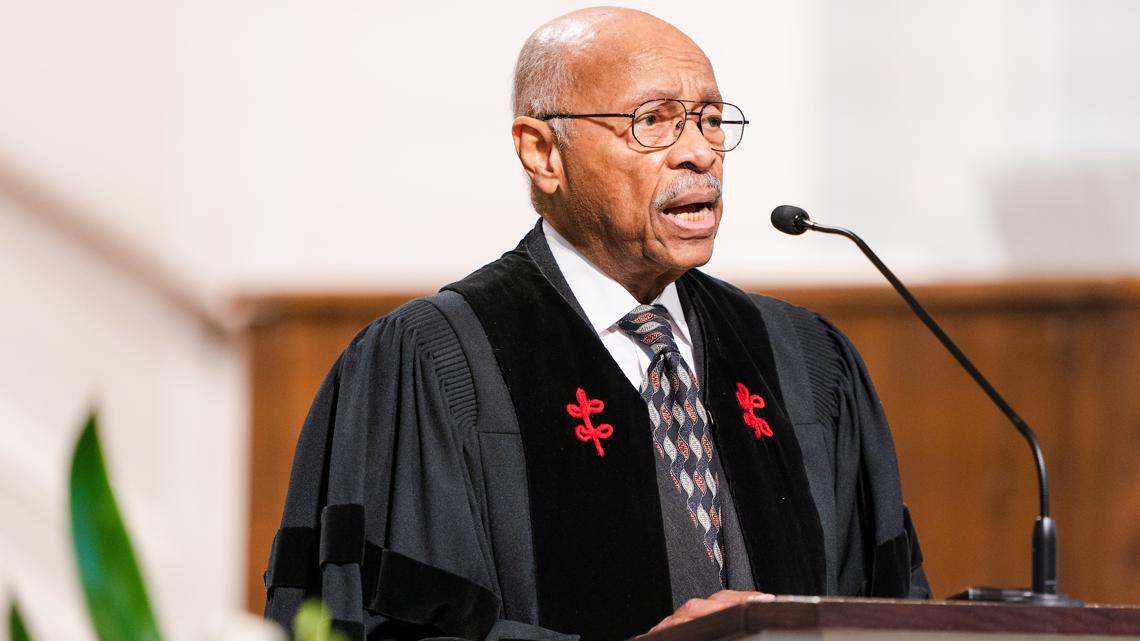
pixel 878 551
pixel 381 519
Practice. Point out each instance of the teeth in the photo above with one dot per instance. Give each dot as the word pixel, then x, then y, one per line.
pixel 693 216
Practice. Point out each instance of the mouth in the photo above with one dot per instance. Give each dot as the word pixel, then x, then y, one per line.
pixel 691 211
pixel 694 212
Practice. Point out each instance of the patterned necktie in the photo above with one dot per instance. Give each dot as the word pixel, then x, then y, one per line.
pixel 680 424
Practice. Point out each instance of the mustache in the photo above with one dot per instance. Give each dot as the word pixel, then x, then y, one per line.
pixel 687 182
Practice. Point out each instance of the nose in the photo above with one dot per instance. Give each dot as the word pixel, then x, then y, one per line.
pixel 692 150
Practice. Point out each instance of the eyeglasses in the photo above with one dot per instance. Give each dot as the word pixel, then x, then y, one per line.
pixel 658 123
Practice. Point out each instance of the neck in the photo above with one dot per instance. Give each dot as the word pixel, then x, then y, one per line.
pixel 645 290
pixel 644 283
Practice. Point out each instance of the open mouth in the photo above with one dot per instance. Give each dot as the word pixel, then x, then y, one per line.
pixel 691 215
pixel 690 212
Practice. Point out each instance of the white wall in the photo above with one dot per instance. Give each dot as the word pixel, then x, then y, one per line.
pixel 172 406
pixel 254 146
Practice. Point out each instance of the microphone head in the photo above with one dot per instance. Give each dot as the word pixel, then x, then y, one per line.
pixel 790 219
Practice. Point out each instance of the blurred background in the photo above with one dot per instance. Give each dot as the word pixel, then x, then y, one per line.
pixel 186 188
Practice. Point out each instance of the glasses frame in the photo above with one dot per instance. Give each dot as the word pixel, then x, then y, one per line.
pixel 633 129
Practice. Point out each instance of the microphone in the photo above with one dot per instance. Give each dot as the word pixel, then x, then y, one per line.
pixel 795 221
pixel 790 219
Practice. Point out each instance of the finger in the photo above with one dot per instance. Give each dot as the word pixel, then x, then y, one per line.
pixel 667 622
pixel 700 607
pixel 738 596
pixel 694 608
pixel 731 596
pixel 672 620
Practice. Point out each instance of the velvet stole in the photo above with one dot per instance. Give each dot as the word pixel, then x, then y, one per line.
pixel 602 569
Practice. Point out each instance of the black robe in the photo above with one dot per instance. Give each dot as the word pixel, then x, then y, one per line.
pixel 409 510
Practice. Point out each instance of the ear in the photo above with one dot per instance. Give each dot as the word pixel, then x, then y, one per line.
pixel 534 143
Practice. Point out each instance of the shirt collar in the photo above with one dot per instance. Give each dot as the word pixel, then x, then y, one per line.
pixel 603 299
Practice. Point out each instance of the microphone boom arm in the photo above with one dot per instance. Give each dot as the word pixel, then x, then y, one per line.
pixel 1018 422
pixel 1044 531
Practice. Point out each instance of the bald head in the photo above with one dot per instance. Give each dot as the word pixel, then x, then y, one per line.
pixel 562 56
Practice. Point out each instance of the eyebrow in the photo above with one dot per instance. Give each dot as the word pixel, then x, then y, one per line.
pixel 709 95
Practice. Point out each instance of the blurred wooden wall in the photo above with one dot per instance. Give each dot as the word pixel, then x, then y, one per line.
pixel 1065 354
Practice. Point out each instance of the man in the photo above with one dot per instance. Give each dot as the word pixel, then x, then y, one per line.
pixel 588 437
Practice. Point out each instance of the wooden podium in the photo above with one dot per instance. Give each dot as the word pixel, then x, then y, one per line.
pixel 823 619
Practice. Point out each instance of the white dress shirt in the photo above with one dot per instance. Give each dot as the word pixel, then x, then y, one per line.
pixel 605 302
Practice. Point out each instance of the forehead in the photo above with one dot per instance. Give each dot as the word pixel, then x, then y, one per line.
pixel 631 70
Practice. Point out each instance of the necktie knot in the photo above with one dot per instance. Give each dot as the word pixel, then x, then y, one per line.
pixel 649 324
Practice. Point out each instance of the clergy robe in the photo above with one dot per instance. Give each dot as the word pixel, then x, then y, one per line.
pixel 417 508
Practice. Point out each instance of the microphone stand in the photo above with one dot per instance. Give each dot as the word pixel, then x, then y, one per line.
pixel 1044 590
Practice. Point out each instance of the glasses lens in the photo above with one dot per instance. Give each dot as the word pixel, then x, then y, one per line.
pixel 722 125
pixel 658 123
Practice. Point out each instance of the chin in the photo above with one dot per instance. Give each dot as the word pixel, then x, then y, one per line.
pixel 690 256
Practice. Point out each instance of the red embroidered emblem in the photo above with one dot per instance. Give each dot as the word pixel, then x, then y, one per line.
pixel 586 431
pixel 749 403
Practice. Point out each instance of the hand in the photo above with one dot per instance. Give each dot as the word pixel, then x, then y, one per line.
pixel 694 608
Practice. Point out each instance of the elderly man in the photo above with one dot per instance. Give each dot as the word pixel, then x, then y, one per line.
pixel 589 437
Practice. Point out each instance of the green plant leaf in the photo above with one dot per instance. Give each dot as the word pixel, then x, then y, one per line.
pixel 16 629
pixel 112 584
